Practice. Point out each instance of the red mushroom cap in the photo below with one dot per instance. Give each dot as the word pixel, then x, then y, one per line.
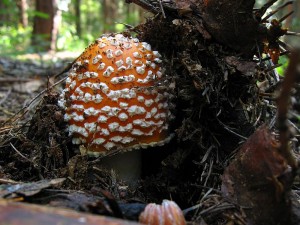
pixel 112 99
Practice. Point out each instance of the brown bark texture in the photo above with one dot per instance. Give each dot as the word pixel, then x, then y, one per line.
pixel 4 16
pixel 29 214
pixel 23 17
pixel 109 11
pixel 45 30
pixel 78 17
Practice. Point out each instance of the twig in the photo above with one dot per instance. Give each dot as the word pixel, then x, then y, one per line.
pixel 5 111
pixel 281 54
pixel 66 69
pixel 292 74
pixel 284 45
pixel 231 131
pixel 293 33
pixel 162 9
pixel 276 10
pixel 285 17
pixel 20 154
pixel 209 171
pixel 186 211
pixel 271 68
pixel 8 181
pixel 294 126
pixel 144 4
pixel 128 26
pixel 265 7
pixel 33 100
pixel 259 53
pixel 222 206
pixel 5 129
pixel 33 164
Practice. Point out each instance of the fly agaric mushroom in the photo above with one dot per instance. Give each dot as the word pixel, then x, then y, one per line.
pixel 168 213
pixel 117 97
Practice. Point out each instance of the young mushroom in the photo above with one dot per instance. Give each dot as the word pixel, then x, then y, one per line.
pixel 117 99
pixel 168 213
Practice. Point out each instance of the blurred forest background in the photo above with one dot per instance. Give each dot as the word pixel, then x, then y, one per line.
pixel 29 26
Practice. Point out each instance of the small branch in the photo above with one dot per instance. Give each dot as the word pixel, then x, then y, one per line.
pixel 285 17
pixel 20 154
pixel 293 33
pixel 144 4
pixel 265 7
pixel 281 54
pixel 128 26
pixel 292 74
pixel 284 45
pixel 186 211
pixel 33 100
pixel 275 11
pixel 162 9
pixel 231 131
pixel 23 110
pixel 9 181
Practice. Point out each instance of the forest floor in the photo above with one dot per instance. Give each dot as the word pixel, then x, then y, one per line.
pixel 207 169
pixel 23 80
pixel 24 77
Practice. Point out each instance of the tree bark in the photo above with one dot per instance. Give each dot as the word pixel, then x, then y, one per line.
pixel 45 30
pixel 55 29
pixel 23 17
pixel 297 11
pixel 4 16
pixel 109 12
pixel 131 11
pixel 78 17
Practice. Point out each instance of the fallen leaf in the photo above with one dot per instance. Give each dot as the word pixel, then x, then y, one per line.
pixel 259 179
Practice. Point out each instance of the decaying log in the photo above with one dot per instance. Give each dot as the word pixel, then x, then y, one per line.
pixel 28 214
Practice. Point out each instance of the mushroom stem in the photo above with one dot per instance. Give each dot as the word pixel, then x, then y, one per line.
pixel 127 166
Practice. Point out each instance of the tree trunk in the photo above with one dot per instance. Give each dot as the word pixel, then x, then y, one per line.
pixel 135 14
pixel 45 29
pixel 297 10
pixel 54 34
pixel 141 14
pixel 23 17
pixel 78 17
pixel 109 12
pixel 4 15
